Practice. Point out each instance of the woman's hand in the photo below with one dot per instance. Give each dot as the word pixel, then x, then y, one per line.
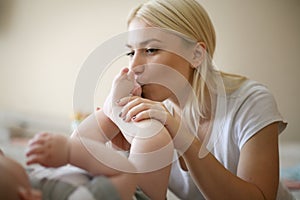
pixel 49 150
pixel 137 109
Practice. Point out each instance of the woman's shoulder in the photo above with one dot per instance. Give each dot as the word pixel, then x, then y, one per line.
pixel 250 88
pixel 251 96
pixel 236 85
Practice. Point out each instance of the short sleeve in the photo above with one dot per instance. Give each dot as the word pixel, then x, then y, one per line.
pixel 257 109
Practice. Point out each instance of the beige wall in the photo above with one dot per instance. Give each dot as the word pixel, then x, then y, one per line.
pixel 44 43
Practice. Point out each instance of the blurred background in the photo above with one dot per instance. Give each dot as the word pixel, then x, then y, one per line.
pixel 43 44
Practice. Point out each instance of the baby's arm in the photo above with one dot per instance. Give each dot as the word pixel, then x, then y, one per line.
pixel 48 149
pixel 55 150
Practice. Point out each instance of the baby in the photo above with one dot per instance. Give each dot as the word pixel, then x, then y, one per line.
pixel 151 152
pixel 14 182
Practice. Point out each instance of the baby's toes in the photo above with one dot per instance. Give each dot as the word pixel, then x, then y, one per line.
pixel 121 76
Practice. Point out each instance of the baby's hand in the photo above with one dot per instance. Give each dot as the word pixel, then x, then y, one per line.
pixel 123 85
pixel 49 150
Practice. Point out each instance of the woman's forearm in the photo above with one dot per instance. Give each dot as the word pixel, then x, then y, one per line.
pixel 214 180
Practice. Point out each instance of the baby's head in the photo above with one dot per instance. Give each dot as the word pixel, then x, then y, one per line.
pixel 14 182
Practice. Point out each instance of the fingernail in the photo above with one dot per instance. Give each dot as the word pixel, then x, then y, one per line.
pixel 118 101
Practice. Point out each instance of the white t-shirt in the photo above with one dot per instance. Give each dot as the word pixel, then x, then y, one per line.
pixel 249 109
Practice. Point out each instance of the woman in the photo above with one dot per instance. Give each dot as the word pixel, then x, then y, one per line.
pixel 244 163
pixel 224 127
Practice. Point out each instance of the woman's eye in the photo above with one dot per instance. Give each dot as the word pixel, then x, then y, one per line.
pixel 151 51
pixel 130 54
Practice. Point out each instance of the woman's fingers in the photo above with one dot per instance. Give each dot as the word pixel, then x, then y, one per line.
pixel 159 115
pixel 133 105
pixel 123 101
pixel 131 101
pixel 129 113
pixel 137 109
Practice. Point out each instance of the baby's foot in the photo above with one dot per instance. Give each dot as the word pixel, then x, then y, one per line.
pixel 124 85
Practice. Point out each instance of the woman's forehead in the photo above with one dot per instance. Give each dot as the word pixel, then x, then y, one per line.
pixel 142 36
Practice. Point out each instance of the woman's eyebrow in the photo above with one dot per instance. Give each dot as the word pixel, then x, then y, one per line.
pixel 144 43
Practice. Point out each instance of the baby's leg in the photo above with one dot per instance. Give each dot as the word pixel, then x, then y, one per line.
pixel 123 85
pixel 99 125
pixel 152 156
pixel 125 184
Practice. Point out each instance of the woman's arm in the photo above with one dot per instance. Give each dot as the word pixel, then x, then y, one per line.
pixel 257 176
pixel 258 169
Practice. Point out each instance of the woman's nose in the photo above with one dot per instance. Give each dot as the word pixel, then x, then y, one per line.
pixel 137 64
pixel 138 70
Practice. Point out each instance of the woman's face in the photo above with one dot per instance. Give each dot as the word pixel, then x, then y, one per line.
pixel 149 59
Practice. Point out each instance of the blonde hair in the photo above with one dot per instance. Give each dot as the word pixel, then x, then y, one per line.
pixel 185 16
pixel 189 18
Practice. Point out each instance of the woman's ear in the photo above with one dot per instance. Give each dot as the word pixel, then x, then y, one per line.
pixel 198 54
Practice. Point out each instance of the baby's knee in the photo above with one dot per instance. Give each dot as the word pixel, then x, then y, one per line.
pixel 143 130
pixel 152 153
pixel 160 140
